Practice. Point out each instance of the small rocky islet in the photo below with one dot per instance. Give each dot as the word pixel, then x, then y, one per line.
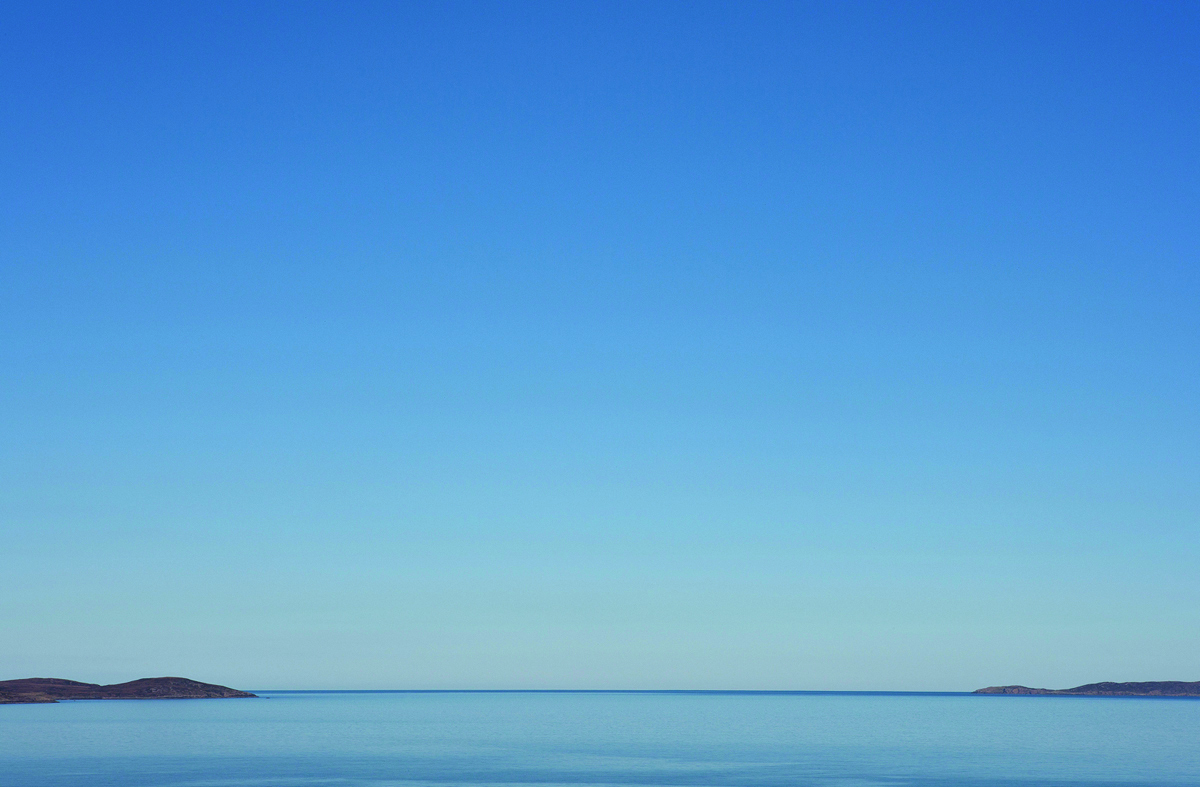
pixel 1154 688
pixel 29 690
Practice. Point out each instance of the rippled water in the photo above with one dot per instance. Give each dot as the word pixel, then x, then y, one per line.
pixel 761 740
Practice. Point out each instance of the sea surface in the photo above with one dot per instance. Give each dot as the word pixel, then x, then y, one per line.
pixel 418 739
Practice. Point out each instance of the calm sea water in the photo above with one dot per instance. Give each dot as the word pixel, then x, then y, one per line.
pixel 512 739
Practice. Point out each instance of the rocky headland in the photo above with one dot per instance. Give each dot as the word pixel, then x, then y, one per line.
pixel 55 689
pixel 1159 688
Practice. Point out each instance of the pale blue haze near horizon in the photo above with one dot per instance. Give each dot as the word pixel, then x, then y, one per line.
pixel 600 345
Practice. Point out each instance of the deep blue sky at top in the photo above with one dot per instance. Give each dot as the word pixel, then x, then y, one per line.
pixel 679 345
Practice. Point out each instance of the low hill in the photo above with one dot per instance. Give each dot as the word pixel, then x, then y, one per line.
pixel 55 689
pixel 1161 688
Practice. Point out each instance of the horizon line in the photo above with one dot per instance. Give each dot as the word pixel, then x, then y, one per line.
pixel 600 691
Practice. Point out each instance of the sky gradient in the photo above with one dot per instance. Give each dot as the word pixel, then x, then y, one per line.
pixel 600 345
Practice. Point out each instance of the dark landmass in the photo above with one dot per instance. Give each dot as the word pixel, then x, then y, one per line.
pixel 1159 688
pixel 55 689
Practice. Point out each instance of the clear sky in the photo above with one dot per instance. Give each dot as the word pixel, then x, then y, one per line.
pixel 600 345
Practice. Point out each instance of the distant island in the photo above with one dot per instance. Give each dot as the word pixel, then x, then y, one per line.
pixel 54 689
pixel 1161 688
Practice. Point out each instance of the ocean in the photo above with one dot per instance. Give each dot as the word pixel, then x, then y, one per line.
pixel 436 739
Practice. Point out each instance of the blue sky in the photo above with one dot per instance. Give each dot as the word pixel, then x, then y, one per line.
pixel 600 345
